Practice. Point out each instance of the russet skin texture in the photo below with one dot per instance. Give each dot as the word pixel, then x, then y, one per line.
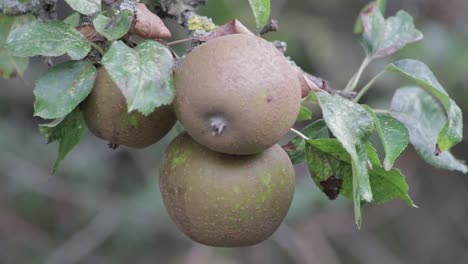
pixel 225 200
pixel 237 94
pixel 105 112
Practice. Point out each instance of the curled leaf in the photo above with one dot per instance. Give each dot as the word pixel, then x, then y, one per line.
pixel 383 37
pixel 424 118
pixel 452 132
pixel 148 25
pixel 232 27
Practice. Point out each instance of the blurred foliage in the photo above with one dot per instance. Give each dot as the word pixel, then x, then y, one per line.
pixel 104 206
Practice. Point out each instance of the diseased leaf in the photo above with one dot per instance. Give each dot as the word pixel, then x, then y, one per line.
pixel 393 134
pixel 327 159
pixel 146 80
pixel 51 38
pixel 383 37
pixel 424 118
pixel 304 114
pixel 116 27
pixel 381 4
pixel 326 167
pixel 85 7
pixel 261 11
pixel 352 126
pixel 296 147
pixel 67 131
pixel 62 88
pixel 452 132
pixel 9 64
pixel 73 19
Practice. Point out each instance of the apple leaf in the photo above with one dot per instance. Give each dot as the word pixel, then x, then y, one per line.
pixel 261 11
pixel 67 131
pixel 424 118
pixel 62 88
pixel 452 132
pixel 304 114
pixel 381 4
pixel 393 135
pixel 296 147
pixel 51 38
pixel 73 19
pixel 352 126
pixel 383 37
pixel 143 74
pixel 85 7
pixel 330 166
pixel 9 64
pixel 115 28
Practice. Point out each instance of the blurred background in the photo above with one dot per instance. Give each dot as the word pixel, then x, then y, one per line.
pixel 103 206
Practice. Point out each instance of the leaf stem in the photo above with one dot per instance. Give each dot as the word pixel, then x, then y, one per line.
pixel 352 83
pixel 382 111
pixel 299 134
pixel 99 49
pixel 180 41
pixel 368 86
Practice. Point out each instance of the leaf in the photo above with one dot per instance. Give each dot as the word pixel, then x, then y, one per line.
pixel 296 147
pixel 385 37
pixel 452 132
pixel 116 27
pixel 393 134
pixel 73 19
pixel 9 64
pixel 62 88
pixel 382 4
pixel 424 118
pixel 261 11
pixel 67 131
pixel 352 126
pixel 327 158
pixel 85 7
pixel 304 114
pixel 146 80
pixel 51 38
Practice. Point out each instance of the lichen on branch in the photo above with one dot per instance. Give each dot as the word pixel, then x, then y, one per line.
pixel 181 10
pixel 42 9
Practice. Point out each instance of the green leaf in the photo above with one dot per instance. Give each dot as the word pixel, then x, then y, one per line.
pixel 452 132
pixel 67 131
pixel 393 134
pixel 296 147
pixel 330 167
pixel 143 74
pixel 261 11
pixel 352 126
pixel 62 88
pixel 9 64
pixel 424 118
pixel 73 19
pixel 85 7
pixel 51 38
pixel 304 114
pixel 115 28
pixel 385 37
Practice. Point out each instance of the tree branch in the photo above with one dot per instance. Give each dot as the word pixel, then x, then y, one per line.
pixel 42 9
pixel 181 10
